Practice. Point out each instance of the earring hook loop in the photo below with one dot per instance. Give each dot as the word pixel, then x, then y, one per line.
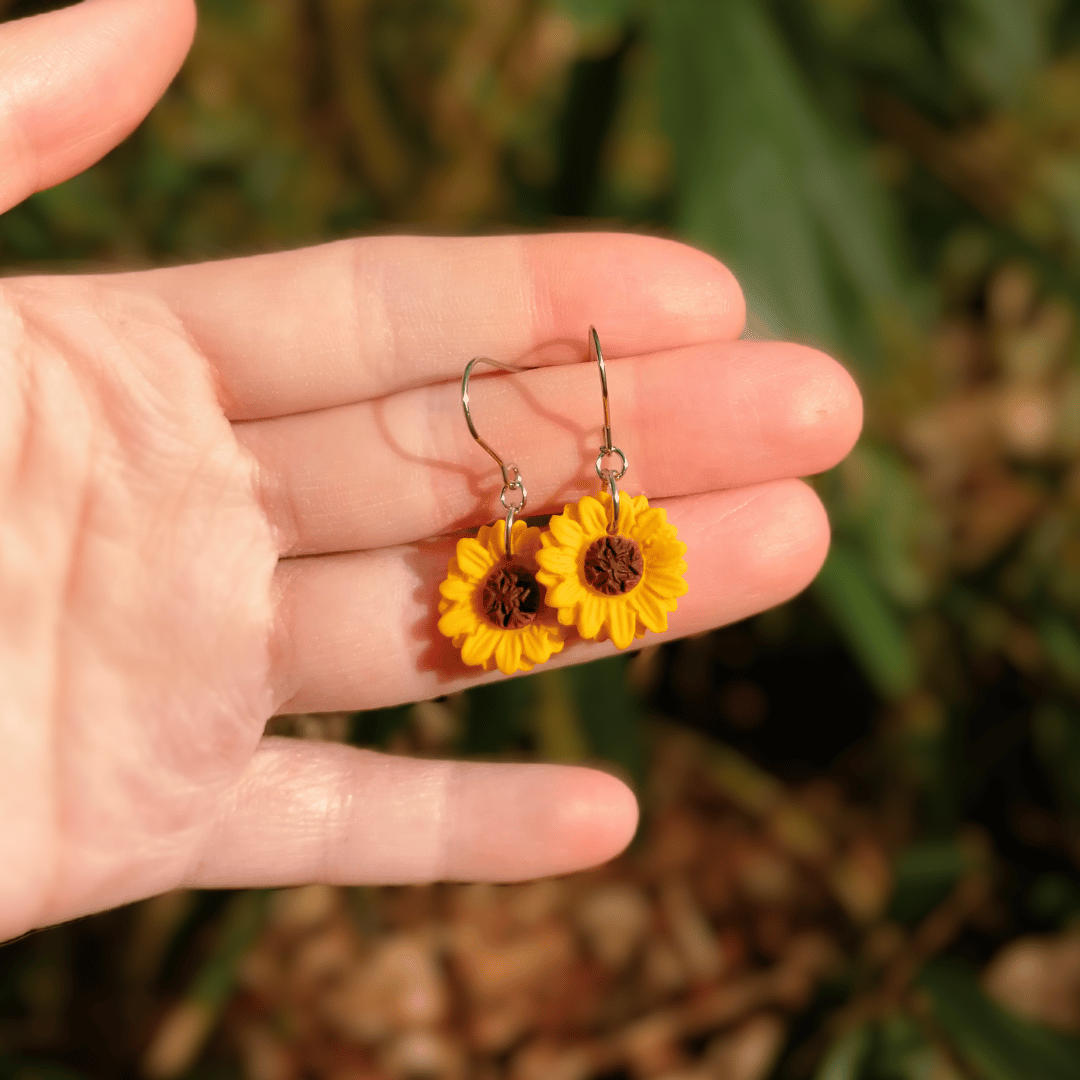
pixel 608 477
pixel 510 482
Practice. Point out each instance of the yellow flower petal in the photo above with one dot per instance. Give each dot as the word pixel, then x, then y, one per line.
pixel 534 645
pixel 479 645
pixel 590 617
pixel 458 619
pixel 666 583
pixel 630 508
pixel 594 516
pixel 670 567
pixel 665 571
pixel 662 549
pixel 455 588
pixel 651 524
pixel 558 560
pixel 541 641
pixel 670 603
pixel 489 537
pixel 564 530
pixel 622 622
pixel 508 652
pixel 650 610
pixel 474 558
pixel 528 543
pixel 569 591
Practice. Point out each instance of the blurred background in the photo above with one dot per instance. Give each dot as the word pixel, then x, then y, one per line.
pixel 859 852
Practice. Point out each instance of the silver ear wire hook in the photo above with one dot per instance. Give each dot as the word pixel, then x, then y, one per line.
pixel 510 482
pixel 608 477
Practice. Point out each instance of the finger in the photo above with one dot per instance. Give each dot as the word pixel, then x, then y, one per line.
pixel 704 417
pixel 359 319
pixel 308 812
pixel 75 82
pixel 359 631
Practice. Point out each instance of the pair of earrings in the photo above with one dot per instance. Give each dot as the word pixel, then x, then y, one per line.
pixel 609 565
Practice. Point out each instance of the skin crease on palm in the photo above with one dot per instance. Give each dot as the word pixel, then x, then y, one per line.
pixel 227 490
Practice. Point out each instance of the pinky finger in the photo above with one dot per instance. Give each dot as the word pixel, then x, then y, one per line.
pixel 310 812
pixel 359 631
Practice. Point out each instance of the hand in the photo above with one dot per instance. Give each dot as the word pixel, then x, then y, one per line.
pixel 218 485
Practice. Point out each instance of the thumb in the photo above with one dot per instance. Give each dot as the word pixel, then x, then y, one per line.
pixel 74 82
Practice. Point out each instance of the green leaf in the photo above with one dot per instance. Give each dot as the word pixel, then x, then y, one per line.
pixel 610 713
pixel 997 44
pixel 24 1068
pixel 846 1057
pixel 1062 645
pixel 838 44
pixel 497 717
pixel 868 623
pixel 901 1052
pixel 765 181
pixel 594 14
pixel 242 924
pixel 1056 730
pixel 1054 898
pixel 555 719
pixel 996 1044
pixel 924 875
pixel 589 711
pixel 877 502
pixel 373 727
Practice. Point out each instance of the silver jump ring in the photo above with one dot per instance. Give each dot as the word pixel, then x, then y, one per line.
pixel 516 485
pixel 606 451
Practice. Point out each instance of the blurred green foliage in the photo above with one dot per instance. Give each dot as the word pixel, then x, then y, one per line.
pixel 998 1045
pixel 894 180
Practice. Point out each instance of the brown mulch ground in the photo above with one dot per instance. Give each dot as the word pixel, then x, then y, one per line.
pixel 685 958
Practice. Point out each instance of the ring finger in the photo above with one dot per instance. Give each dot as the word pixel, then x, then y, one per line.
pixel 358 631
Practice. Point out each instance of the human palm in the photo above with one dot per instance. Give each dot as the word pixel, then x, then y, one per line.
pixel 218 486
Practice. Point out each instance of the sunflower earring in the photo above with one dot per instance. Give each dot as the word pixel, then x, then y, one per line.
pixel 611 564
pixel 490 606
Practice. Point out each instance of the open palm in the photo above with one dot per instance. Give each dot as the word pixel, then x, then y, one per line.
pixel 218 486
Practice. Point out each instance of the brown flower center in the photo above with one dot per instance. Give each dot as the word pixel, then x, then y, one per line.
pixel 614 565
pixel 510 597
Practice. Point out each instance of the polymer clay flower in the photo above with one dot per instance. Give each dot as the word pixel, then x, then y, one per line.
pixel 618 584
pixel 491 605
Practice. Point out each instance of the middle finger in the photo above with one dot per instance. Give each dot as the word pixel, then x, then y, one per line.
pixel 405 467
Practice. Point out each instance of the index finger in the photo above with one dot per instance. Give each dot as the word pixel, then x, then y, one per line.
pixel 360 319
